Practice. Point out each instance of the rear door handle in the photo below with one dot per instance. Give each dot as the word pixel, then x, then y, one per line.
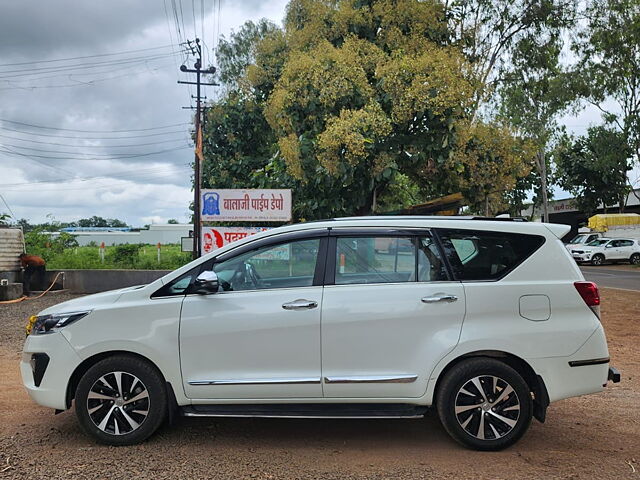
pixel 300 304
pixel 440 298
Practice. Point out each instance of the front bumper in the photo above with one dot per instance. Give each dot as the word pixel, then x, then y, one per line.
pixel 582 257
pixel 48 386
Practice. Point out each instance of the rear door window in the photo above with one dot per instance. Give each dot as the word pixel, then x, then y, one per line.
pixel 485 255
pixel 375 260
pixel 388 259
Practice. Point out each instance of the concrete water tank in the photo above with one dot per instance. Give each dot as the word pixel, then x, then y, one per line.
pixel 11 245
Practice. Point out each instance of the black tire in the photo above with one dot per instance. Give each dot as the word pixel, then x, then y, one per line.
pixel 477 421
pixel 597 259
pixel 127 423
pixel 635 259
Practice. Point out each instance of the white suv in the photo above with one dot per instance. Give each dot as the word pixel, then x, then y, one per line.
pixel 609 250
pixel 373 317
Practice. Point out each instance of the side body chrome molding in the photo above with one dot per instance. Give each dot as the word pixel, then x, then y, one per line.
pixel 311 381
pixel 258 381
pixel 372 379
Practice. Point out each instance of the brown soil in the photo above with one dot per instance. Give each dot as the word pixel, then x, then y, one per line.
pixel 596 436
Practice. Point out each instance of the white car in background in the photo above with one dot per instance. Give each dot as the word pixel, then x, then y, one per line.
pixel 579 241
pixel 486 322
pixel 609 250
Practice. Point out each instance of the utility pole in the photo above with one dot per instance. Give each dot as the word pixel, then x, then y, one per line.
pixel 196 50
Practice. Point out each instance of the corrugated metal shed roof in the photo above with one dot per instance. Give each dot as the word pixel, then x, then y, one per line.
pixel 11 245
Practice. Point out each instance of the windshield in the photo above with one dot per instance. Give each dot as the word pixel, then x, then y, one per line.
pixel 597 243
pixel 579 239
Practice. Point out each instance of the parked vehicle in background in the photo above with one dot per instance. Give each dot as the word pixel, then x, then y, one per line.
pixel 487 322
pixel 582 239
pixel 609 250
pixel 610 225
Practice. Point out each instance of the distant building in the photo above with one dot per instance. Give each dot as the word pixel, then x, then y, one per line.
pixel 163 233
pixel 564 211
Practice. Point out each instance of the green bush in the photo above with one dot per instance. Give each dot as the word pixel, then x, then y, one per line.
pixel 124 256
pixel 142 257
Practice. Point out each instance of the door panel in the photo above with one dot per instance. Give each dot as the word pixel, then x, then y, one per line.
pixel 375 338
pixel 245 345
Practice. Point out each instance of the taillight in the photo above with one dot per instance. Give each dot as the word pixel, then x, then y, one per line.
pixel 590 294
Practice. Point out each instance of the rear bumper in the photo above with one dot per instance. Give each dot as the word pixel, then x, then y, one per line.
pixel 584 372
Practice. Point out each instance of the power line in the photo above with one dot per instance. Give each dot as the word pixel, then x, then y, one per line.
pixel 78 83
pixel 8 207
pixel 86 56
pixel 6 150
pixel 90 138
pixel 102 186
pixel 83 66
pixel 15 122
pixel 114 155
pixel 93 146
pixel 83 179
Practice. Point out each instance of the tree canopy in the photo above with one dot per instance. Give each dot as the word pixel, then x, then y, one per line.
pixel 349 100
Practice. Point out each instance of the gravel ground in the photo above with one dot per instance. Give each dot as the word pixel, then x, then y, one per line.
pixel 596 436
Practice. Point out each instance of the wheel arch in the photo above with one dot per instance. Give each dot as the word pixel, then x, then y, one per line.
pixel 533 380
pixel 89 362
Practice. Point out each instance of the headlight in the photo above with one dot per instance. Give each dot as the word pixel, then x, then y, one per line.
pixel 49 323
pixel 587 251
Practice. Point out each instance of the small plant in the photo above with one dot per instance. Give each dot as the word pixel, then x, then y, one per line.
pixel 125 256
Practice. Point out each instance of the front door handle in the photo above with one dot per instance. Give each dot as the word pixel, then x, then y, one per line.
pixel 440 298
pixel 300 304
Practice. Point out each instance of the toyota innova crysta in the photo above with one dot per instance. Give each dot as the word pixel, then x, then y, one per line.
pixel 487 322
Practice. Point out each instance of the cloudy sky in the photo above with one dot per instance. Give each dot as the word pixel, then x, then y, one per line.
pixel 102 132
pixel 91 117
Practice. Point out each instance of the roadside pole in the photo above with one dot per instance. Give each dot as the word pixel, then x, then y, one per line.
pixel 196 49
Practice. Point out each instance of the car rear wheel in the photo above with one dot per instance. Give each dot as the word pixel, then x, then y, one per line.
pixel 597 259
pixel 635 259
pixel 484 404
pixel 121 400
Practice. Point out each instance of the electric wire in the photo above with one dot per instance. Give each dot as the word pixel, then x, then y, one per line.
pixel 86 56
pixel 123 173
pixel 33 125
pixel 91 138
pixel 29 140
pixel 10 152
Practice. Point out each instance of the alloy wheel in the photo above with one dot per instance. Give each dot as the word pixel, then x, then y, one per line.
pixel 487 407
pixel 118 403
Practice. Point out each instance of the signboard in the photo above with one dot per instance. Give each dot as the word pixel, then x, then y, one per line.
pixel 246 205
pixel 216 237
pixel 186 244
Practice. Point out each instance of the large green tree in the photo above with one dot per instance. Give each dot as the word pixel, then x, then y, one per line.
pixel 594 168
pixel 608 46
pixel 532 97
pixel 349 104
pixel 361 91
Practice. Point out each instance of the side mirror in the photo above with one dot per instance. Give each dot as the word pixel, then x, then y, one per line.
pixel 608 245
pixel 207 282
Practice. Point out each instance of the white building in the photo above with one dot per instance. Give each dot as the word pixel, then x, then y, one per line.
pixel 163 233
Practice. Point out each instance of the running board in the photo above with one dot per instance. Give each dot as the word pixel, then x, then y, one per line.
pixel 308 410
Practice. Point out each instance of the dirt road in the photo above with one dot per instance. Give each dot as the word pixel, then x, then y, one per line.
pixel 589 437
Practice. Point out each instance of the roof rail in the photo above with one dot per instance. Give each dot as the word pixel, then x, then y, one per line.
pixel 425 217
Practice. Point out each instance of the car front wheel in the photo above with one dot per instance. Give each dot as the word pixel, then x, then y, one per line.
pixel 121 400
pixel 597 259
pixel 484 404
